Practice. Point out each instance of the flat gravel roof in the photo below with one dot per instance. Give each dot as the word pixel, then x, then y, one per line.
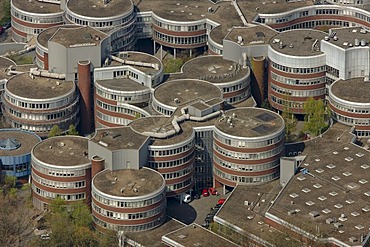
pixel 186 91
pixel 38 88
pixel 214 69
pixel 97 8
pixel 251 122
pixel 128 182
pixel 63 151
pixel 298 42
pixel 353 90
pixel 34 6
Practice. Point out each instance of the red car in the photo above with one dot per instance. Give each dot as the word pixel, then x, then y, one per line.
pixel 213 191
pixel 205 192
pixel 221 201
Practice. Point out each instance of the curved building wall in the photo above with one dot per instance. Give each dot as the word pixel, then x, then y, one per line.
pixel 17 164
pixel 128 214
pixel 317 15
pixel 247 160
pixel 293 80
pixel 350 113
pixel 40 115
pixel 50 181
pixel 183 35
pixel 175 163
pixel 121 28
pixel 26 24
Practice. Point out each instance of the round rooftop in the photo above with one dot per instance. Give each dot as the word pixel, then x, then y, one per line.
pixel 129 182
pixel 136 60
pixel 298 43
pixel 45 35
pixel 98 9
pixel 62 151
pixel 38 88
pixel 250 122
pixel 186 91
pixel 214 69
pixel 15 142
pixel 162 125
pixel 37 7
pixel 349 90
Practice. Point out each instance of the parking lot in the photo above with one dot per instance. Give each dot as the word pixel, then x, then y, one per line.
pixel 196 211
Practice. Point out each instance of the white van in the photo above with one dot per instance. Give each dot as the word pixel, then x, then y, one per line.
pixel 186 198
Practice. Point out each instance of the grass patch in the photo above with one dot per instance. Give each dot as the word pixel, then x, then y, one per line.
pixel 173 65
pixel 21 59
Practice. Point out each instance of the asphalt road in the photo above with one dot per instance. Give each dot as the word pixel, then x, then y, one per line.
pixel 196 211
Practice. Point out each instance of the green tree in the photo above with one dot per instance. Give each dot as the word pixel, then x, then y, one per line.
pixel 316 118
pixel 81 216
pixel 55 131
pixel 10 180
pixel 72 131
pixel 289 119
pixel 5 12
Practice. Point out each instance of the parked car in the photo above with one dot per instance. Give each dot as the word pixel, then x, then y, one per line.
pixel 196 196
pixel 7 25
pixel 213 191
pixel 2 30
pixel 186 198
pixel 45 236
pixel 221 201
pixel 205 192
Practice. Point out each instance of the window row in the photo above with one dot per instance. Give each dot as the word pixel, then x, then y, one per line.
pixel 246 168
pixel 130 228
pixel 181 185
pixel 58 173
pixel 298 93
pixel 124 204
pixel 65 101
pixel 299 70
pixel 58 184
pixel 246 179
pixel 248 144
pixel 129 216
pixel 66 197
pixel 171 152
pixel 179 28
pixel 178 174
pixel 171 163
pixel 142 96
pixel 41 19
pixel 248 156
pixel 119 109
pixel 347 108
pixel 300 82
pixel 100 24
pixel 180 40
pixel 113 120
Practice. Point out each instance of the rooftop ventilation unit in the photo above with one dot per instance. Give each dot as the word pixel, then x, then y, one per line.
pixel 363 42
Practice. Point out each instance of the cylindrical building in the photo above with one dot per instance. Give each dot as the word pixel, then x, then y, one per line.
pixel 60 168
pixel 232 78
pixel 15 151
pixel 248 144
pixel 31 17
pixel 128 200
pixel 116 18
pixel 349 102
pixel 38 103
pixel 297 69
pixel 170 153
